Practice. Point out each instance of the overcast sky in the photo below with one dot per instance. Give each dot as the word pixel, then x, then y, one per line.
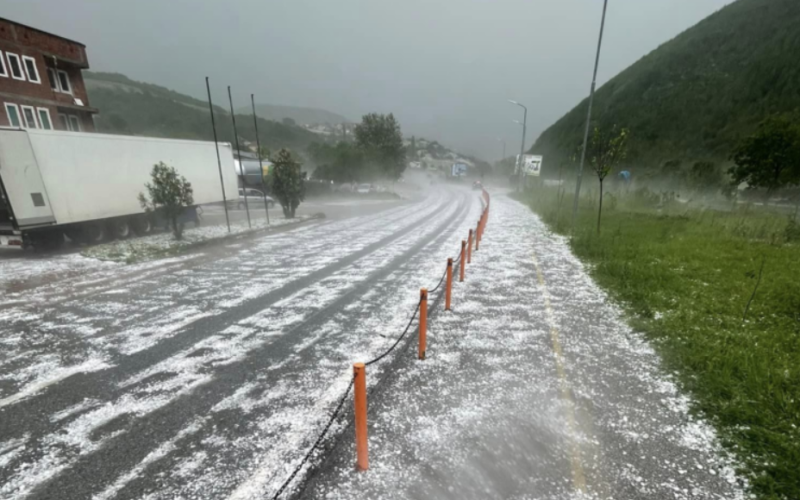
pixel 446 68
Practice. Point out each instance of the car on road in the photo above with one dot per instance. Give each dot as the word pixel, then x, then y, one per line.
pixel 477 185
pixel 253 196
pixel 364 189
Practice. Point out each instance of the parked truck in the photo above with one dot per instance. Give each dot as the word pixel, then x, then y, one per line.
pixel 86 186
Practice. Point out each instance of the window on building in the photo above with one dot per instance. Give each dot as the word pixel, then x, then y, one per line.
pixel 3 71
pixel 64 121
pixel 51 75
pixel 74 123
pixel 15 66
pixel 44 118
pixel 13 115
pixel 29 116
pixel 30 69
pixel 63 81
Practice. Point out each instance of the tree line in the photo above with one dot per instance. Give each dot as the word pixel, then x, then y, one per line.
pixel 377 152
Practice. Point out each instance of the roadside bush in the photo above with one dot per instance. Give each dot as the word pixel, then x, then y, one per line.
pixel 169 193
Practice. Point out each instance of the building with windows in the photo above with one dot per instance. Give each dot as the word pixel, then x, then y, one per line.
pixel 41 84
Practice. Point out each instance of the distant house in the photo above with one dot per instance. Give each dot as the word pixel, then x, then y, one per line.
pixel 41 84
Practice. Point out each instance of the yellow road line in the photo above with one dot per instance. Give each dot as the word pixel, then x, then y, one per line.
pixel 578 477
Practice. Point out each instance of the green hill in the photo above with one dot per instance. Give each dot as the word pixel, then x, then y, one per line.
pixel 301 116
pixel 696 95
pixel 130 107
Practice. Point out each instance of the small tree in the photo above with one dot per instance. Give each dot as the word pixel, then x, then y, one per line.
pixel 288 182
pixel 606 151
pixel 169 193
pixel 770 158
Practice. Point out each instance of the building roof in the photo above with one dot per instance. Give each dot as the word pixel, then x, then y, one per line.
pixel 42 31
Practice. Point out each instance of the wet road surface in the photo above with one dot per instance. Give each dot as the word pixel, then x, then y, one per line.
pixel 203 376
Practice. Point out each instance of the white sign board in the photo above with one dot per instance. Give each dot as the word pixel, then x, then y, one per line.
pixel 532 165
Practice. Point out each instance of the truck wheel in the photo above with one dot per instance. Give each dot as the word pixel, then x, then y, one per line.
pixel 93 233
pixel 141 225
pixel 120 228
pixel 51 239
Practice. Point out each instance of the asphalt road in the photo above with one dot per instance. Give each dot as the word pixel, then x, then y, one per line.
pixel 205 375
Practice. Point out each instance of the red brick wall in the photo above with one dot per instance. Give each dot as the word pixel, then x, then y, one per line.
pixel 26 37
pixel 40 90
pixel 24 41
pixel 86 119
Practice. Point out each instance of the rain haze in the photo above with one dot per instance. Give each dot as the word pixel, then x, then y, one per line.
pixel 355 288
pixel 445 68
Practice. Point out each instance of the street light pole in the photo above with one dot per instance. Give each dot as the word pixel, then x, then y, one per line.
pixel 588 117
pixel 522 146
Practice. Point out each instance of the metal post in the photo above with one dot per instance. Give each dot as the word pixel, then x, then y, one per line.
pixel 260 161
pixel 423 322
pixel 448 291
pixel 241 163
pixel 360 403
pixel 219 162
pixel 520 160
pixel 522 149
pixel 469 248
pixel 588 118
pixel 463 260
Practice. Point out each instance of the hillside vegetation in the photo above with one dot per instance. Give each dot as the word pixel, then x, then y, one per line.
pixel 300 115
pixel 695 96
pixel 136 108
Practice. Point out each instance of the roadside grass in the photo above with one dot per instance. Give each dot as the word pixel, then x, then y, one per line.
pixel 685 274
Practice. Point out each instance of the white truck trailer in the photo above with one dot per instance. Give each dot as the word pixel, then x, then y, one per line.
pixel 86 185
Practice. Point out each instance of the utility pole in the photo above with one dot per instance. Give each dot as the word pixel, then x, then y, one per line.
pixel 522 145
pixel 241 160
pixel 219 161
pixel 588 118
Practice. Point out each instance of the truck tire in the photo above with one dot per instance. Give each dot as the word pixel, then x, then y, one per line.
pixel 141 225
pixel 47 239
pixel 92 233
pixel 120 228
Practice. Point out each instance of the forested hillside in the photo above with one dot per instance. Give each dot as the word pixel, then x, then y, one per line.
pixel 695 96
pixel 301 116
pixel 136 108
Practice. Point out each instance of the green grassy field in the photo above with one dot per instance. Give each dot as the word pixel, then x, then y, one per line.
pixel 685 276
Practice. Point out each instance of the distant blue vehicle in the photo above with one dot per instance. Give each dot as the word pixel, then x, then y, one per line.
pixel 624 176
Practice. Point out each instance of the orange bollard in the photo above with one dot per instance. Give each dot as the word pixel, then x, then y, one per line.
pixel 469 248
pixel 449 290
pixel 360 398
pixel 423 321
pixel 463 257
pixel 478 236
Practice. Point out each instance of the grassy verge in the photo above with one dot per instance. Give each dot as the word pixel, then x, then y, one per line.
pixel 685 276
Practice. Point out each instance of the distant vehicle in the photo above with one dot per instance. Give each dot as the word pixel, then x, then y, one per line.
pixel 477 185
pixel 254 196
pixel 364 189
pixel 87 185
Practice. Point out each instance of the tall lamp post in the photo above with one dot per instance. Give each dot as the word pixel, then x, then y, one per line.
pixel 588 117
pixel 522 145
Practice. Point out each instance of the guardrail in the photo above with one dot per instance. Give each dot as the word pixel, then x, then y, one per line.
pixel 359 380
